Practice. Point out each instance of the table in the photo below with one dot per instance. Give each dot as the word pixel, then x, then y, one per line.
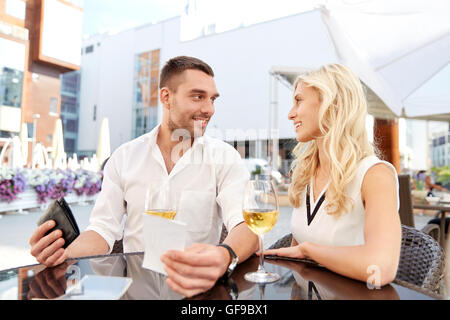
pixel 299 281
pixel 443 208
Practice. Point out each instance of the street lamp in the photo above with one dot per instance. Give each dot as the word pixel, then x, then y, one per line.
pixel 35 117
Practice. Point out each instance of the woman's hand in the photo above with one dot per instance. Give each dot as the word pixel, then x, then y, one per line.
pixel 298 251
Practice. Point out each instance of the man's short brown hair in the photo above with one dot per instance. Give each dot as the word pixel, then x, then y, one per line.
pixel 177 65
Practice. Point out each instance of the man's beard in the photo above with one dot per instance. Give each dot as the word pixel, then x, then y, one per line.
pixel 189 131
pixel 192 131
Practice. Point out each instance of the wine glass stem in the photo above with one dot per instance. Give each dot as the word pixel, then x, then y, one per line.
pixel 261 256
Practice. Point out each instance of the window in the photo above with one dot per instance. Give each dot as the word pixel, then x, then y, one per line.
pixel 68 104
pixel 95 113
pixel 10 87
pixel 145 89
pixel 71 125
pixel 53 106
pixel 30 128
pixel 69 145
pixel 5 134
pixel 145 119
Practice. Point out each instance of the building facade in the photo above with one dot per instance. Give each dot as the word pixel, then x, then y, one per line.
pixel 440 149
pixel 116 82
pixel 70 106
pixel 254 68
pixel 39 41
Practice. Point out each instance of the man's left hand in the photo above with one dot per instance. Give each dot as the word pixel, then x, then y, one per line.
pixel 196 269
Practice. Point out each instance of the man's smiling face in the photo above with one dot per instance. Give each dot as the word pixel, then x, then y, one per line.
pixel 191 105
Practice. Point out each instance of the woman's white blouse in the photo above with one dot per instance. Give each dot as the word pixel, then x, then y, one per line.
pixel 347 229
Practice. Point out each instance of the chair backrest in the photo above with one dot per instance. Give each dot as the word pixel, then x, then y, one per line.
pixel 421 259
pixel 283 242
pixel 406 206
pixel 118 246
pixel 223 234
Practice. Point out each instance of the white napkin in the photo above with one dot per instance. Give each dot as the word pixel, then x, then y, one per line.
pixel 161 235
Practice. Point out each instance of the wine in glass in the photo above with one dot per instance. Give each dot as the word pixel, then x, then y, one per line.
pixel 158 201
pixel 260 210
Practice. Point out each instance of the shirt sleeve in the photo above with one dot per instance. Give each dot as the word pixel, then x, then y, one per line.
pixel 107 214
pixel 232 178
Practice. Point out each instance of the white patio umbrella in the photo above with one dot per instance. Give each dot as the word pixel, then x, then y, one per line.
pixel 24 142
pixel 15 154
pixel 400 49
pixel 11 151
pixel 39 159
pixel 104 143
pixel 58 154
pixel 73 162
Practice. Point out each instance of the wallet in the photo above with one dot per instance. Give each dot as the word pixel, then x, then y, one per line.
pixel 60 212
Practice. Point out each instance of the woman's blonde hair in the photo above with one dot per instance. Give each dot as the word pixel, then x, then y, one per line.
pixel 342 119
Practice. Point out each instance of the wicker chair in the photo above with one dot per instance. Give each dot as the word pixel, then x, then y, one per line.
pixel 406 208
pixel 118 246
pixel 283 242
pixel 421 259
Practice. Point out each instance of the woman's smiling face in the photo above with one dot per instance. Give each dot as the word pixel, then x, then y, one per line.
pixel 305 113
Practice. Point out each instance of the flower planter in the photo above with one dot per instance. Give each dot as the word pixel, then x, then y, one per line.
pixel 29 200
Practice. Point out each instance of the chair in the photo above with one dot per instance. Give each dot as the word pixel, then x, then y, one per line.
pixel 421 259
pixel 118 246
pixel 406 208
pixel 406 205
pixel 283 242
pixel 223 234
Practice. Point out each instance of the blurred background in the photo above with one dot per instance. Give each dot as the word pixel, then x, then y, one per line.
pixel 80 78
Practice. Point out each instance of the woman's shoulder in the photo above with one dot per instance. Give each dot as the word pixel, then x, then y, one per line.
pixel 379 176
pixel 374 166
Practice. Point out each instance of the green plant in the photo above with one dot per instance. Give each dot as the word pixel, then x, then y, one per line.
pixel 442 174
pixel 257 170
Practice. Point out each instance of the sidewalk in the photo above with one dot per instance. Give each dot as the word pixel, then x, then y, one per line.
pixel 16 229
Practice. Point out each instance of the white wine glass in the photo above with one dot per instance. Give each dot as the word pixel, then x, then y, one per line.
pixel 158 201
pixel 260 210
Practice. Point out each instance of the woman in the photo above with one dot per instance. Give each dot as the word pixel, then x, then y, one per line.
pixel 423 178
pixel 345 199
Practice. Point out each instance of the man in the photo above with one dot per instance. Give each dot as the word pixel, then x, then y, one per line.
pixel 207 191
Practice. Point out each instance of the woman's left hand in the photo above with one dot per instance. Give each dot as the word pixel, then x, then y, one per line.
pixel 297 251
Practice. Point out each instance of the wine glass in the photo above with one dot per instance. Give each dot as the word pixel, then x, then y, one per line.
pixel 260 210
pixel 158 201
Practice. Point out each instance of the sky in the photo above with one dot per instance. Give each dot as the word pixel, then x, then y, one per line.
pixel 101 16
pixel 112 16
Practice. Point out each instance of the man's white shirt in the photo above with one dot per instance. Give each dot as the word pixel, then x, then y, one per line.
pixel 207 184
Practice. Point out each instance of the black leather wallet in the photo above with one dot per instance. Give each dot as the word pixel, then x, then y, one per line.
pixel 60 212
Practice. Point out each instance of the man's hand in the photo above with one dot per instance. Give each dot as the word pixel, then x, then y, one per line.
pixel 195 269
pixel 48 249
pixel 50 283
